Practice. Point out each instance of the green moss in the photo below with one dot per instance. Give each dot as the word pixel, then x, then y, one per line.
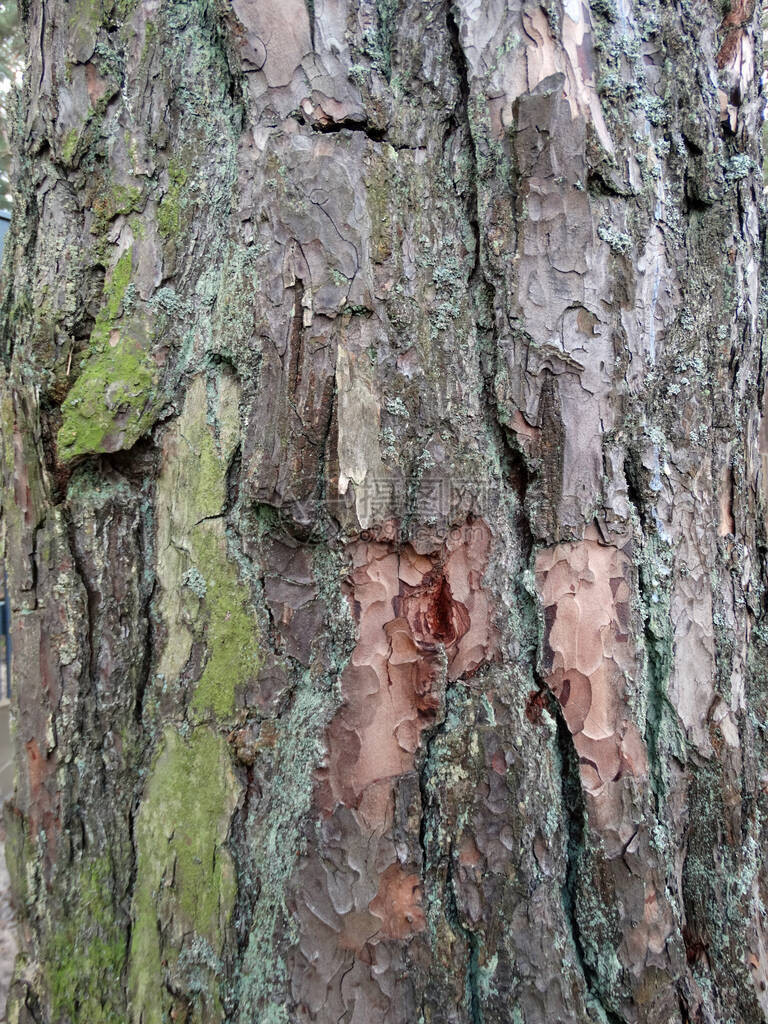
pixel 181 833
pixel 17 855
pixel 170 209
pixel 111 202
pixel 206 480
pixel 85 956
pixel 114 289
pixel 150 36
pixel 86 13
pixel 231 631
pixel 106 409
pixel 76 142
pixel 177 173
pixel 168 216
pixel 109 406
pixel 125 8
pixel 69 146
pixel 193 543
pixel 383 177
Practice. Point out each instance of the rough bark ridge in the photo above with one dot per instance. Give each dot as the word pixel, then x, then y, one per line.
pixel 384 502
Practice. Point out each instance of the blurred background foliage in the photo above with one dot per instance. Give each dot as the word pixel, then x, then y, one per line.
pixel 11 50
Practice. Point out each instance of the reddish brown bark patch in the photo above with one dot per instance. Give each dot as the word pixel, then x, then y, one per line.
pixel 534 706
pixel 398 904
pixel 585 592
pixel 409 609
pixel 433 615
pixel 44 813
pixel 420 618
pixel 734 24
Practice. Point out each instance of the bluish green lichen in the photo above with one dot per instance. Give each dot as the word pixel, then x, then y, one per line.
pixel 193 579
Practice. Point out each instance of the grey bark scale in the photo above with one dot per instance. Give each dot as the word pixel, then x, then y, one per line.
pixel 384 507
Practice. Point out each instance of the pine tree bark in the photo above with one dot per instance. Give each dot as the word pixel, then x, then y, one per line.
pixel 384 503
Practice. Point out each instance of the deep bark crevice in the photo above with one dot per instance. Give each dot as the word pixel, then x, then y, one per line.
pixel 430 822
pixel 350 124
pixel 575 823
pixel 91 603
pixel 658 653
pixel 145 671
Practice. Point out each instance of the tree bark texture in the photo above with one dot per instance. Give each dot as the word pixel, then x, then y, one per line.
pixel 384 502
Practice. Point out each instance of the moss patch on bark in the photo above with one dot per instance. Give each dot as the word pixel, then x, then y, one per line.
pixel 192 495
pixel 185 885
pixel 85 957
pixel 110 405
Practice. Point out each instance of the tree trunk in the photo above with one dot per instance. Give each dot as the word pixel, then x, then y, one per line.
pixel 385 513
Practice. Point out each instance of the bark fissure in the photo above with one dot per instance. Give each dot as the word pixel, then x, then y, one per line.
pixel 92 600
pixel 440 860
pixel 351 125
pixel 576 825
pixel 657 643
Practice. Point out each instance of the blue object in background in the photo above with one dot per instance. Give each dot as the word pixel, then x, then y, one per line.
pixel 5 220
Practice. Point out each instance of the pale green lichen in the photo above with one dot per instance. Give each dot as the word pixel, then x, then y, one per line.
pixel 297 751
pixel 195 581
pixel 185 882
pixel 619 241
pixel 738 167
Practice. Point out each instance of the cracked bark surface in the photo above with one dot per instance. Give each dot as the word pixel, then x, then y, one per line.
pixel 384 497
